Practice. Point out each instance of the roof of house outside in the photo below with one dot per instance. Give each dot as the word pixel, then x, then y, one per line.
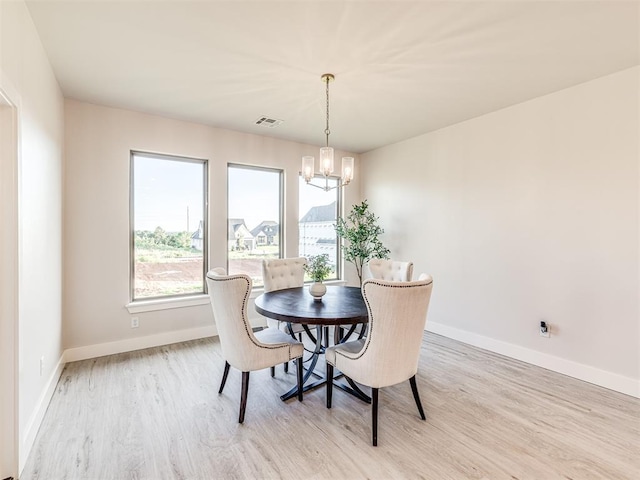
pixel 322 213
pixel 234 225
pixel 197 235
pixel 269 227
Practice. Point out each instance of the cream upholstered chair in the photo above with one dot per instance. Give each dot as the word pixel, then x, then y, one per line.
pixel 278 274
pixel 390 352
pixel 241 347
pixel 391 270
pixel 281 273
pixel 382 269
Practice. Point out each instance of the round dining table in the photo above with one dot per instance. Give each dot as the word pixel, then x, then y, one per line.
pixel 340 306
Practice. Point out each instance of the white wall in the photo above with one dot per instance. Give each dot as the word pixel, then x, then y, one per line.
pixel 524 214
pixel 26 75
pixel 98 142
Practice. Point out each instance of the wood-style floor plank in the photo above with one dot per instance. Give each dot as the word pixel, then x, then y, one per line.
pixel 156 414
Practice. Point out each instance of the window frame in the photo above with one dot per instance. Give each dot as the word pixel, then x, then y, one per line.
pixel 339 199
pixel 205 229
pixel 281 206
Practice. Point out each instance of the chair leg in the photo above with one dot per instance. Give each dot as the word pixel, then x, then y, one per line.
pixel 329 384
pixel 243 395
pixel 374 415
pixel 299 375
pixel 286 367
pixel 224 377
pixel 273 371
pixel 414 389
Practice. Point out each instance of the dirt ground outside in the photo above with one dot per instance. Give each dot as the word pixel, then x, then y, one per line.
pixel 184 275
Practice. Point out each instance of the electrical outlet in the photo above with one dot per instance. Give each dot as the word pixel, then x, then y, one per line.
pixel 41 365
pixel 135 323
pixel 545 329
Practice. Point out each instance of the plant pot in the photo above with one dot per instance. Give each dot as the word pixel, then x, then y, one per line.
pixel 317 290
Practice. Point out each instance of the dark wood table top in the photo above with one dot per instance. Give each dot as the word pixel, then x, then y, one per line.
pixel 339 306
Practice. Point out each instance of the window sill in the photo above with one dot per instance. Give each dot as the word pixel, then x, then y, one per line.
pixel 167 303
pixel 142 306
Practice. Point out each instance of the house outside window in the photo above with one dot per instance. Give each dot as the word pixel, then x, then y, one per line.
pixel 254 230
pixel 168 226
pixel 316 228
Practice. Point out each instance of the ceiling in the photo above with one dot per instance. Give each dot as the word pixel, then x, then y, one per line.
pixel 402 68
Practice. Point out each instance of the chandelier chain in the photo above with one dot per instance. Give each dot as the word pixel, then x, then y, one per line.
pixel 326 130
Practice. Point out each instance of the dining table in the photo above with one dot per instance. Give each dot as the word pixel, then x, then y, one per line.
pixel 341 307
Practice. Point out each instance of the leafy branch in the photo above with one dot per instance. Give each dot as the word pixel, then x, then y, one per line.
pixel 361 230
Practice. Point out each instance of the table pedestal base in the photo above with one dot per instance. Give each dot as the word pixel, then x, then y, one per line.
pixel 352 388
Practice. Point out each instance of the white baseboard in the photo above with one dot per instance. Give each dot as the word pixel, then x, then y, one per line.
pixel 138 343
pixel 33 425
pixel 602 378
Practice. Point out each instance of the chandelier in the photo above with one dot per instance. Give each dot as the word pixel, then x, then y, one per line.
pixel 326 156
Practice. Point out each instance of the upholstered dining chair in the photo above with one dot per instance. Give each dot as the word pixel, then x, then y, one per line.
pixel 392 270
pixel 278 274
pixel 389 354
pixel 241 347
pixel 382 269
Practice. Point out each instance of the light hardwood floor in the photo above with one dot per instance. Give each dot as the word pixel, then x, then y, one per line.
pixel 156 414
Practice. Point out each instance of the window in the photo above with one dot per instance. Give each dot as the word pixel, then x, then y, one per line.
pixel 168 225
pixel 318 215
pixel 254 219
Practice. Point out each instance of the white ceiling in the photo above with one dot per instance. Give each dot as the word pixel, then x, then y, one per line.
pixel 402 68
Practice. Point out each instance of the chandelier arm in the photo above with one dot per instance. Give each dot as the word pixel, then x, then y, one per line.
pixel 326 187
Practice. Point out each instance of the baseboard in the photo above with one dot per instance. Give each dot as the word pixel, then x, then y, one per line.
pixel 137 343
pixel 33 425
pixel 602 378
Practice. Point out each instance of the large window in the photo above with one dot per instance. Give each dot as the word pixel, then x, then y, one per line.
pixel 168 225
pixel 254 219
pixel 318 215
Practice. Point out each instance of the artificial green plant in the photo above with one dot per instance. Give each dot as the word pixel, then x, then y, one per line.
pixel 362 232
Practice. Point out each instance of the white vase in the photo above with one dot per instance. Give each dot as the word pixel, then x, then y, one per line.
pixel 317 290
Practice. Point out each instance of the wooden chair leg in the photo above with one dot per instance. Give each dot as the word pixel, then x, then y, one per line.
pixel 329 384
pixel 243 395
pixel 416 396
pixel 286 367
pixel 299 375
pixel 374 415
pixel 224 377
pixel 273 371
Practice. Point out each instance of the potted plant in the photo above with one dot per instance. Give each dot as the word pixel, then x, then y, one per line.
pixel 318 269
pixel 361 230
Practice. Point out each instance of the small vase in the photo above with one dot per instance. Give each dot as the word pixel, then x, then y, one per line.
pixel 317 290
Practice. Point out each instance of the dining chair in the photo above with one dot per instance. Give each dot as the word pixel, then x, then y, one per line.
pixel 382 269
pixel 390 353
pixel 278 274
pixel 241 347
pixel 392 270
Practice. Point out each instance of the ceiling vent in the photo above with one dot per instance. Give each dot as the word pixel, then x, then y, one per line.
pixel 268 122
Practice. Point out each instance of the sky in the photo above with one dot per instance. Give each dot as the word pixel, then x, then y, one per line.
pixel 168 193
pixel 253 195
